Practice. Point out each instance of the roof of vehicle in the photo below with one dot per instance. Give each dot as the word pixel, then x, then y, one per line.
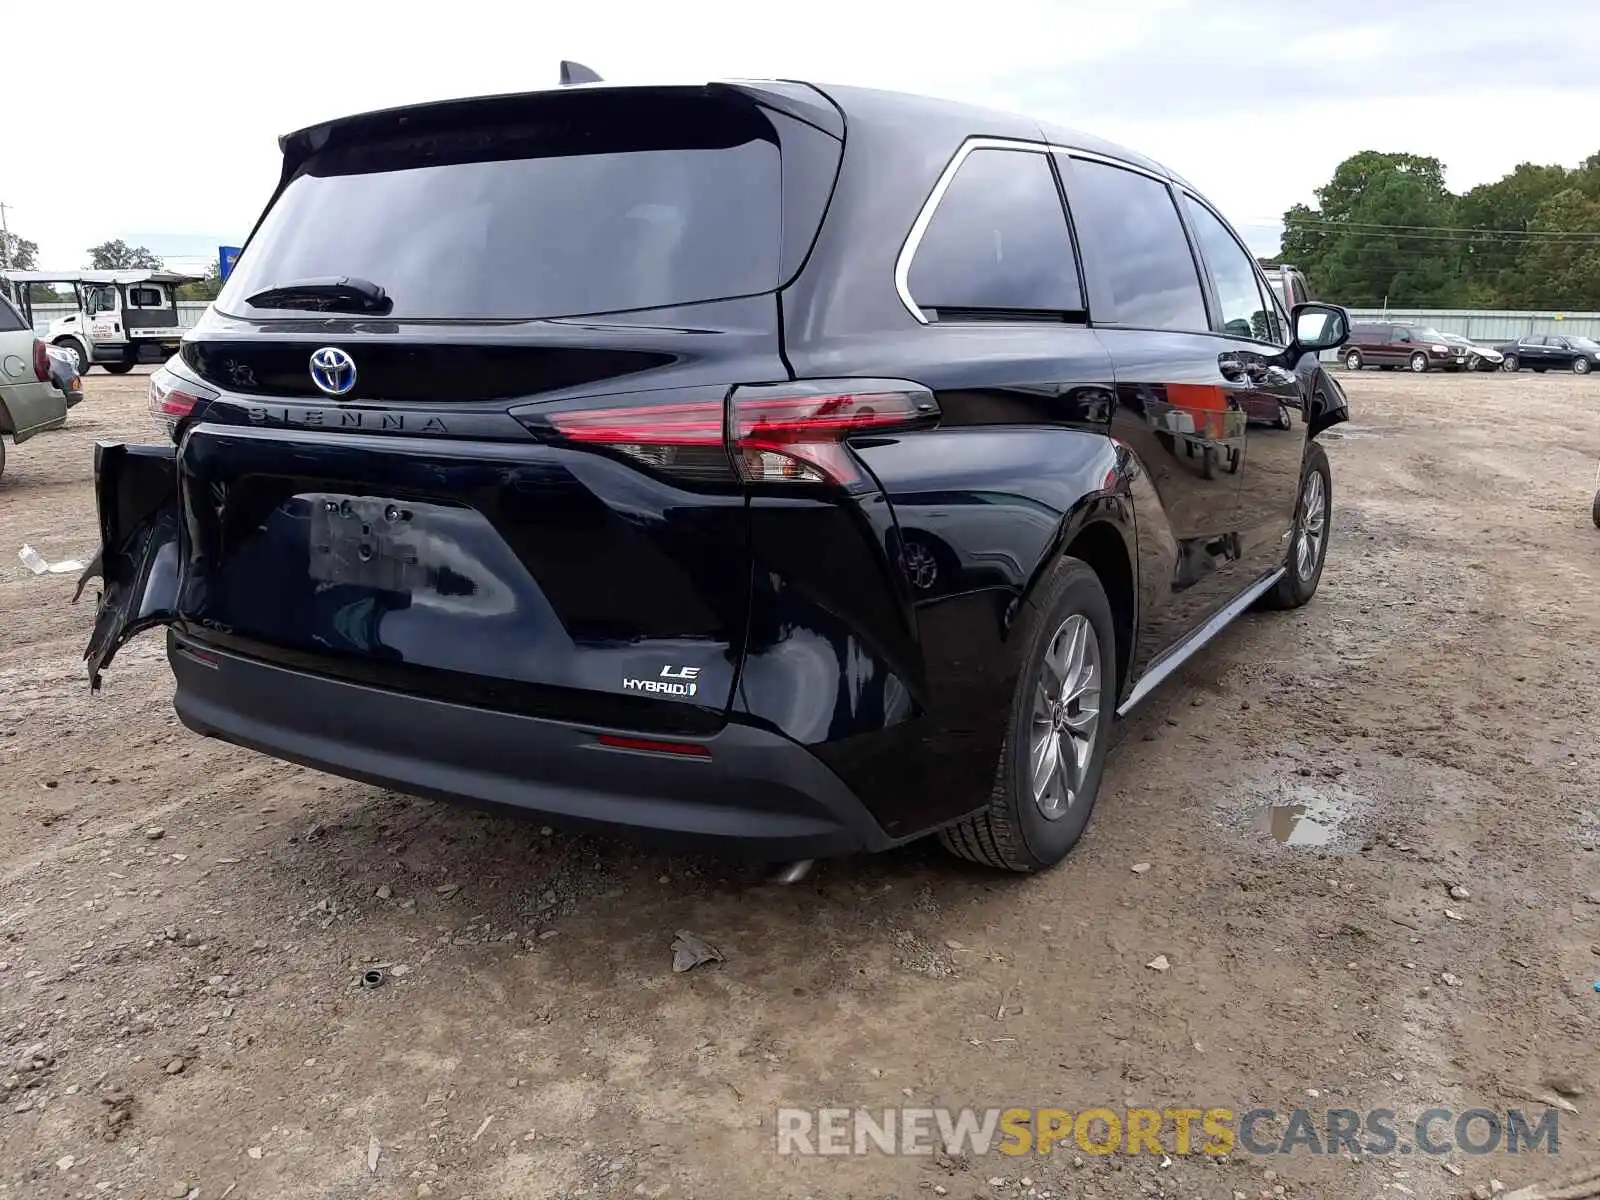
pixel 926 114
pixel 138 275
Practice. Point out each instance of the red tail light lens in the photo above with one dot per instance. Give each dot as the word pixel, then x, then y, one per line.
pixel 678 439
pixel 653 746
pixel 789 433
pixel 795 433
pixel 41 361
pixel 173 397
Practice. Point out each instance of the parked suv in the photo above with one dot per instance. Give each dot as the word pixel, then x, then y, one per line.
pixel 1390 344
pixel 752 465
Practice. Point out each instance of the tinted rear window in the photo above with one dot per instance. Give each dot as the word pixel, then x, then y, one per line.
pixel 998 239
pixel 1130 231
pixel 606 207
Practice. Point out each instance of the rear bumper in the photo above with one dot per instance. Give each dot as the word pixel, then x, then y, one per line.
pixel 757 794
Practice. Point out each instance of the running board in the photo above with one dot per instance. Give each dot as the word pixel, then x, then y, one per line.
pixel 1184 650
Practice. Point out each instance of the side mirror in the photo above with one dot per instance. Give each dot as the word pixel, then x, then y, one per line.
pixel 1319 327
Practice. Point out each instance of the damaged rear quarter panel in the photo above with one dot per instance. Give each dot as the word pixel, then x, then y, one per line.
pixel 139 564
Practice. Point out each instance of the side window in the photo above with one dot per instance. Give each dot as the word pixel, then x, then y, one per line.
pixel 144 297
pixel 10 319
pixel 1399 334
pixel 998 239
pixel 103 299
pixel 1246 313
pixel 1138 245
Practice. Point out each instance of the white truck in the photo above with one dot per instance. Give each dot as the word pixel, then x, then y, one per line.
pixel 124 317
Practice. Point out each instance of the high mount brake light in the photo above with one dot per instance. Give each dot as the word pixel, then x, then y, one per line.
pixel 764 434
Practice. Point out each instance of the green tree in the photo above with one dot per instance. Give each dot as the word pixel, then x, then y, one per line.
pixel 117 255
pixel 1557 270
pixel 21 254
pixel 1374 235
pixel 1385 228
pixel 1500 211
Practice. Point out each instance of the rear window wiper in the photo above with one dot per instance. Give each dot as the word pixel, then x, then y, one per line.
pixel 335 293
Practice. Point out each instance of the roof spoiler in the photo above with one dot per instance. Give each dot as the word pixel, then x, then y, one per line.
pixel 572 73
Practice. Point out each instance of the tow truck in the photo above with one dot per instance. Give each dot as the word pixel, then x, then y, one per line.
pixel 124 317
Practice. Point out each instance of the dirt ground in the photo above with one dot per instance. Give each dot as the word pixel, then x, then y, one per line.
pixel 184 925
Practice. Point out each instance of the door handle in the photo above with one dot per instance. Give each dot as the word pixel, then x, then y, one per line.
pixel 1239 370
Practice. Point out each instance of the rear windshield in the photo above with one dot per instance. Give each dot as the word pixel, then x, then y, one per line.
pixel 605 207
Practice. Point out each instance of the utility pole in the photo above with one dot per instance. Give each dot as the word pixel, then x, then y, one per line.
pixel 5 237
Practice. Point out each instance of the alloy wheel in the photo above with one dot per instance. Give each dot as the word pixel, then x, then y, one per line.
pixel 1066 717
pixel 1313 526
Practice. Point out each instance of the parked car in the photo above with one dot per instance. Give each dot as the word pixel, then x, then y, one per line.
pixel 746 472
pixel 30 402
pixel 1546 352
pixel 1390 344
pixel 64 375
pixel 1479 358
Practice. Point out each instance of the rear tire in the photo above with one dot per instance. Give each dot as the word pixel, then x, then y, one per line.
pixel 3 471
pixel 121 368
pixel 1069 656
pixel 1313 513
pixel 1595 510
pixel 1352 360
pixel 1419 362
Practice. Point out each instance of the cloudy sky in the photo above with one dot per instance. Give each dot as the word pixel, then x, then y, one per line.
pixel 164 132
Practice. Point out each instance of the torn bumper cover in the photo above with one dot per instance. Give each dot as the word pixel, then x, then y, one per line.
pixel 140 559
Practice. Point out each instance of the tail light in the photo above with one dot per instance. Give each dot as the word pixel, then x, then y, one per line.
pixel 41 361
pixel 787 433
pixel 172 397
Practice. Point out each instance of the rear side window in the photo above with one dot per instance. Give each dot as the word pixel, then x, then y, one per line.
pixel 1134 239
pixel 602 206
pixel 997 240
pixel 144 297
pixel 1247 308
pixel 10 319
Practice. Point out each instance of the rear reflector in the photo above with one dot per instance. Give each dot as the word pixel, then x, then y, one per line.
pixel 651 746
pixel 785 433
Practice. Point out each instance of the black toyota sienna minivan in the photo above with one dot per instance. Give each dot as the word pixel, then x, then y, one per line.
pixel 760 466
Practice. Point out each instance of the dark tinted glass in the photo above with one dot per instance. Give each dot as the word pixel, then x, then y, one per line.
pixel 675 203
pixel 998 239
pixel 10 319
pixel 1246 312
pixel 1133 235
